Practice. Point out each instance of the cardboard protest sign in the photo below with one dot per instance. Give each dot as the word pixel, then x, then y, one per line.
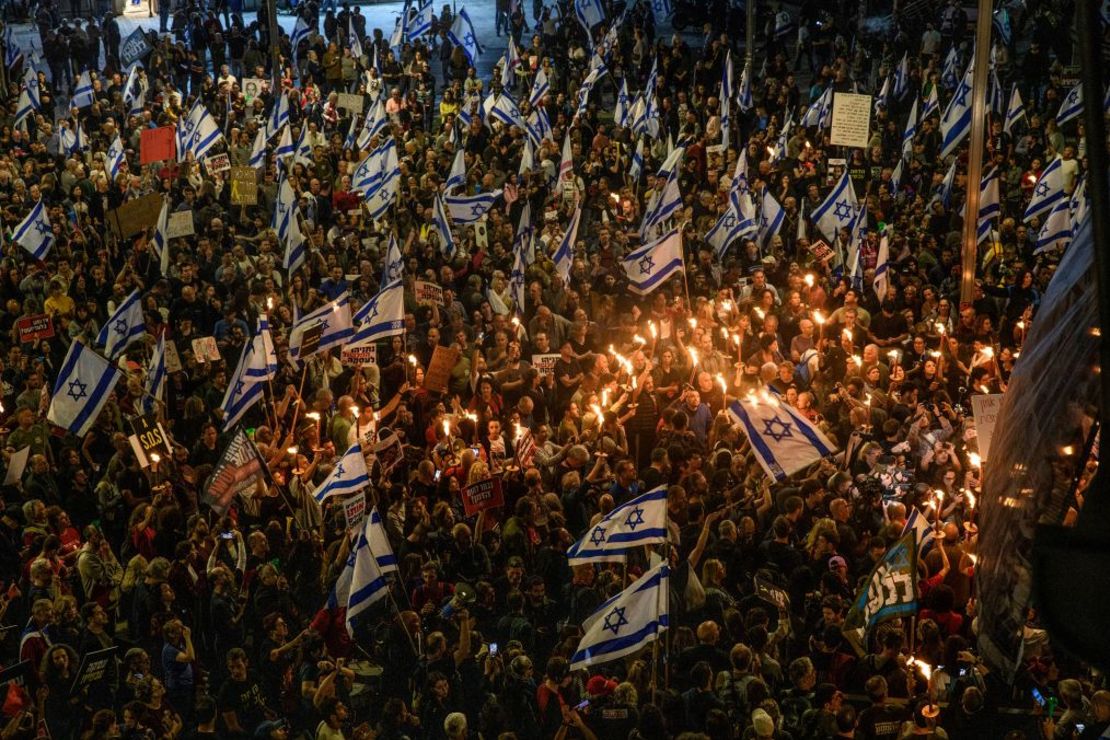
pixel 426 292
pixel 367 354
pixel 157 145
pixel 545 363
pixel 851 120
pixel 350 102
pixel 244 186
pixel 205 349
pixel 252 87
pixel 485 494
pixel 439 369
pixel 152 437
pixel 17 463
pixel 180 224
pixel 137 214
pixel 217 163
pixel 93 667
pixel 820 250
pixel 354 510
pixel 36 327
pixel 173 359
pixel 985 409
pixel 771 593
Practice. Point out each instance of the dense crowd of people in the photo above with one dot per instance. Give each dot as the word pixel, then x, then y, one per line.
pixel 221 620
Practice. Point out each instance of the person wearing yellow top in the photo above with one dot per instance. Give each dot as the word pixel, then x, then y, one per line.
pixel 58 302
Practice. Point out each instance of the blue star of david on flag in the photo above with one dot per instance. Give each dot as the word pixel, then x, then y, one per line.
pixel 598 535
pixel 43 228
pixel 961 94
pixel 646 265
pixel 777 429
pixel 77 389
pixel 120 326
pixel 339 471
pixel 635 518
pixel 615 619
pixel 843 210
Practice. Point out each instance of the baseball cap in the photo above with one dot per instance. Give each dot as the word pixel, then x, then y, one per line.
pixel 600 686
pixel 837 561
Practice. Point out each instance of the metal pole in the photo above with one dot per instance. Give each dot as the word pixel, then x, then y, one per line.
pixel 749 41
pixel 275 47
pixel 975 154
pixel 1090 50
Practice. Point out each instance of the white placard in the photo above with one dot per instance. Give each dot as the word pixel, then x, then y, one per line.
pixel 851 120
pixel 985 408
pixel 17 463
pixel 180 224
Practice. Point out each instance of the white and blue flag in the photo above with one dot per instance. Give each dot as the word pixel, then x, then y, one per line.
pixel 368 583
pixel 382 317
pixel 83 93
pixel 279 115
pixel 924 535
pixel 744 91
pixel 154 383
pixel 72 140
pixel 375 122
pixel 944 195
pixel 264 362
pixel 1072 107
pixel 665 204
pixel 1048 191
pixel 626 623
pixel 468 209
pixel 729 228
pixel 838 210
pixel 13 54
pixel 422 22
pixel 726 99
pixel 653 264
pixel 540 87
pixel 285 147
pixel 160 240
pixel 456 178
pixel 771 216
pixel 258 150
pixel 783 440
pixel 902 77
pixel 956 121
pixel 624 105
pixel 589 13
pixel 881 282
pixel 1056 230
pixel 1015 111
pixel 379 543
pixel 243 391
pixel 462 34
pixel 300 33
pixel 348 476
pixel 443 229
pixel 34 233
pixel 949 76
pixel 394 267
pixel 990 204
pixel 637 165
pixel 909 132
pixel 84 384
pixel 641 521
pixel 113 158
pixel 564 254
pixel 333 316
pixel 505 110
pixel 123 327
pixel 932 104
pixel 199 133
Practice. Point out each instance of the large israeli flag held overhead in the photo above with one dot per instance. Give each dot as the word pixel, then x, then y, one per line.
pixel 383 316
pixel 1072 107
pixel 468 209
pixel 368 582
pixel 348 476
pixel 838 210
pixel 123 327
pixel 783 440
pixel 956 122
pixel 334 316
pixel 379 543
pixel 84 384
pixel 627 622
pixel 34 232
pixel 641 521
pixel 653 264
pixel 462 34
pixel 243 391
pixel 154 382
pixel 1048 191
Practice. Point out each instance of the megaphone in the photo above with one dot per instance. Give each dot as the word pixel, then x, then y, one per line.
pixel 464 596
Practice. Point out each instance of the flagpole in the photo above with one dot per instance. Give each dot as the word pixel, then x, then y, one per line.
pixel 975 154
pixel 300 391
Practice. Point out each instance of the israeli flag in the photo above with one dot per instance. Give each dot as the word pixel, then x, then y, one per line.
pixel 784 441
pixel 729 228
pixel 443 229
pixel 653 264
pixel 379 543
pixel 815 114
pixel 726 99
pixel 909 132
pixel 335 316
pixel 516 279
pixel 511 62
pixel 348 476
pixel 1072 106
pixel 13 54
pixel 134 92
pixel 368 582
pixel 771 217
pixel 626 623
pixel 123 327
pixel 422 22
pixel 881 282
pixel 285 146
pixel 564 255
pixel 1001 23
pixel 264 362
pixel 924 535
pixel 744 92
pixel 380 198
pixel 587 87
pixel 932 105
pixel 740 194
pixel 667 204
pixel 34 233
pixel 302 152
pixel 949 76
pixel 1080 204
pixel 243 391
pixel 838 210
pixel 199 133
pixel 375 122
pixel 990 204
pixel 154 383
pixel 944 195
pixel 468 209
pixel 624 105
pixel 1056 231
pixel 462 34
pixel 523 239
pixel 641 521
pixel 160 240
pixel 24 108
pixel 995 102
pixel 1048 191
pixel 375 168
pixel 279 115
pixel 400 30
pixel 566 161
pixel 394 267
pixel 956 122
pixel 72 140
pixel 896 177
pixel 671 163
pixel 527 158
pixel 84 384
pixel 540 87
pixel 456 178
pixel 902 77
pixel 637 164
pixel 300 33
pixel 353 40
pixel 258 150
pixel 589 13
pixel 538 126
pixel 83 94
pixel 382 317
pixel 1015 111
pixel 113 158
pixel 882 100
pixel 505 110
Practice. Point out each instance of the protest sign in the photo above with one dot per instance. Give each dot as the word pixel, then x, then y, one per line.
pixel 93 667
pixel 350 102
pixel 151 435
pixel 157 145
pixel 310 339
pixel 17 463
pixel 481 235
pixel 439 369
pixel 244 186
pixel 252 87
pixel 771 593
pixel 238 472
pixel 354 510
pixel 545 364
pixel 820 250
pixel 367 354
pixel 205 349
pixel 985 409
pixel 485 494
pixel 137 214
pixel 426 293
pixel 180 224
pixel 851 120
pixel 35 327
pixel 217 163
pixel 134 48
pixel 173 359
